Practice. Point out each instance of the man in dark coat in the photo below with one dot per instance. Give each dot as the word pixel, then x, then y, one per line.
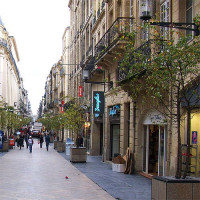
pixel 21 141
pixel 47 140
pixel 79 141
pixel 41 140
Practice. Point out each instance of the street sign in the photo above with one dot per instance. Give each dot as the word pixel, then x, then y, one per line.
pixel 80 91
pixel 98 102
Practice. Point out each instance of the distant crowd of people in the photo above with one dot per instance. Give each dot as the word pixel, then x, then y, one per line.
pixel 27 137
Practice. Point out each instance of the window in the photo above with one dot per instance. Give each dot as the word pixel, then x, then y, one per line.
pixel 189 16
pixel 164 17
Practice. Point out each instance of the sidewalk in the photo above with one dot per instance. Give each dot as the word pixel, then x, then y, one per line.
pixel 119 185
pixel 41 176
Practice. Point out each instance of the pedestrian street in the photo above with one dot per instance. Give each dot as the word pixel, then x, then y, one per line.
pixel 44 175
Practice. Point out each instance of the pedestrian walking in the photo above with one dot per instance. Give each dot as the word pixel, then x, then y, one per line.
pixel 21 141
pixel 30 143
pixel 41 140
pixel 79 141
pixel 26 139
pixel 47 140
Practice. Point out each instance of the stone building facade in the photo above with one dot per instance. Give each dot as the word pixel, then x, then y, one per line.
pixel 96 47
pixel 12 92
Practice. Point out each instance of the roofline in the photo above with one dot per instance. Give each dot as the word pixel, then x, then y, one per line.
pixel 66 29
pixel 15 47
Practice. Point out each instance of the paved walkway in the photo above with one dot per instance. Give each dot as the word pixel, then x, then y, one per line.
pixel 41 176
pixel 119 185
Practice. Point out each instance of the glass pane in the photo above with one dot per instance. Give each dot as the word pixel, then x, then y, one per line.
pixel 189 16
pixel 144 149
pixel 188 3
pixel 116 140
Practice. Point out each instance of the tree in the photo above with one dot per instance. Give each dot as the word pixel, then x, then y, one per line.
pixel 169 75
pixel 74 117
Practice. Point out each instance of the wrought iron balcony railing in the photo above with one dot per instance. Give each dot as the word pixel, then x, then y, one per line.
pixel 89 51
pixel 120 26
pixel 144 49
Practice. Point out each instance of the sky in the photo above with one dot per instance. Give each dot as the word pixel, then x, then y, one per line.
pixel 38 27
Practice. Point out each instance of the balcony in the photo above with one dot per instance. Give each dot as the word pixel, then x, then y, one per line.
pixel 114 34
pixel 144 49
pixel 82 60
pixel 89 52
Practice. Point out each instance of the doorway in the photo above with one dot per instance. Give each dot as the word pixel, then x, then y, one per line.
pixel 101 139
pixel 115 140
pixel 155 140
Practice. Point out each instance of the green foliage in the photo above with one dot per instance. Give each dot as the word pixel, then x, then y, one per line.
pixel 74 117
pixel 164 75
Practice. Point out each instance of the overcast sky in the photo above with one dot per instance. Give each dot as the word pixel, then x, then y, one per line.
pixel 38 27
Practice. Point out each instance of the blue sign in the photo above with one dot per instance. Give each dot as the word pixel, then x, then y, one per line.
pixel 98 103
pixel 1 139
pixel 114 110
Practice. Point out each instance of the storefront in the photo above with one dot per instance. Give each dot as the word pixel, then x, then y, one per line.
pixel 194 141
pixel 155 144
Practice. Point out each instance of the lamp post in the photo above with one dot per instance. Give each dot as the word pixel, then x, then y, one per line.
pixel 145 10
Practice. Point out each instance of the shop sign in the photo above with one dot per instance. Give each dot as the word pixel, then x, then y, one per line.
pixel 80 91
pixel 194 137
pixel 114 110
pixel 98 102
pixel 155 117
pixel 62 107
pixel 1 139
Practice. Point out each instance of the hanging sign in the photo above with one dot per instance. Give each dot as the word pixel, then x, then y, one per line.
pixel 114 110
pixel 80 91
pixel 98 102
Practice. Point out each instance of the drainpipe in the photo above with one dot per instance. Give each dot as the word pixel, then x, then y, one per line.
pixel 134 123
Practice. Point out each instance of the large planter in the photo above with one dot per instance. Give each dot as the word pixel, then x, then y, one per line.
pixel 60 147
pixel 51 139
pixel 55 144
pixel 5 147
pixel 170 188
pixel 78 154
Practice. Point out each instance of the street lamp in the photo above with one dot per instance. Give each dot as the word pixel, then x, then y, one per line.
pixel 145 10
pixel 86 77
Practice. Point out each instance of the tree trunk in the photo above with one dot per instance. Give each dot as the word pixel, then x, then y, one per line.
pixel 188 142
pixel 179 151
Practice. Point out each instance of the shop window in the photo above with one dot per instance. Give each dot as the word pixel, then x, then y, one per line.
pixel 164 17
pixel 189 14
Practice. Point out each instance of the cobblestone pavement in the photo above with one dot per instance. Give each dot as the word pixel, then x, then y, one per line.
pixel 41 176
pixel 119 185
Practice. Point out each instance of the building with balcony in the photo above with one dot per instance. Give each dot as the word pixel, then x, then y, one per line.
pixel 126 122
pixel 12 92
pixel 96 44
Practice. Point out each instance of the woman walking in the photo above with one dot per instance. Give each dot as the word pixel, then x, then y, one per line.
pixel 30 143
